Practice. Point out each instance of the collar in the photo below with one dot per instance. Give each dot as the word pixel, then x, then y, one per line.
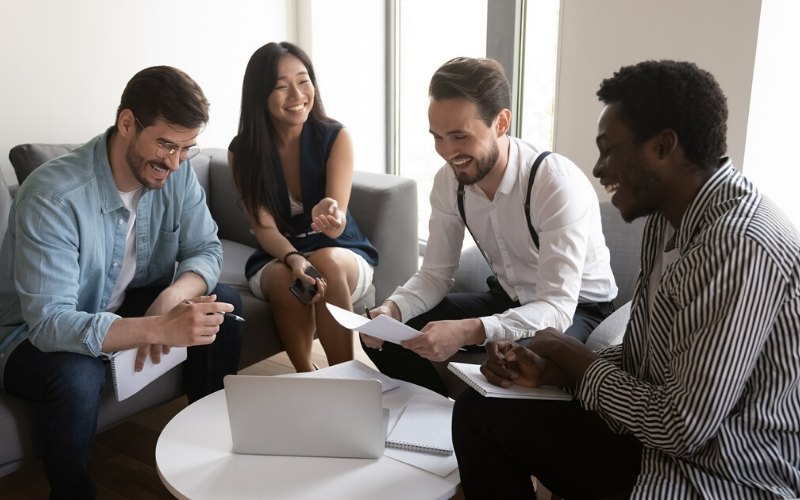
pixel 110 199
pixel 722 192
pixel 513 166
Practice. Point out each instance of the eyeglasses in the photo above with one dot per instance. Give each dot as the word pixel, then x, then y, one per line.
pixel 166 149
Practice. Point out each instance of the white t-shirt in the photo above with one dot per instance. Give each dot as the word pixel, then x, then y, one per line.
pixel 131 201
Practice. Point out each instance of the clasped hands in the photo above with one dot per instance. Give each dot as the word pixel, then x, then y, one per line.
pixel 551 358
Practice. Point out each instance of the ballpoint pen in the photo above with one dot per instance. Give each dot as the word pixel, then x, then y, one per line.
pixel 369 316
pixel 228 315
pixel 231 316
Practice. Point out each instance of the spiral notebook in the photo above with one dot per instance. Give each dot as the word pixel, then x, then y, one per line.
pixel 471 374
pixel 424 426
pixel 127 381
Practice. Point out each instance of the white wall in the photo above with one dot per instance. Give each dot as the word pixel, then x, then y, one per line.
pixel 770 157
pixel 65 64
pixel 346 42
pixel 597 38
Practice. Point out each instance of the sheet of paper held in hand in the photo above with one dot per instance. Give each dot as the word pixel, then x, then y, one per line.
pixel 383 327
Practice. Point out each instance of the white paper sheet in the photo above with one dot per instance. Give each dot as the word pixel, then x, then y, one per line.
pixel 383 327
pixel 351 369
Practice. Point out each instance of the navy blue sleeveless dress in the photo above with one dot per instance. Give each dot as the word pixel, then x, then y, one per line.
pixel 316 142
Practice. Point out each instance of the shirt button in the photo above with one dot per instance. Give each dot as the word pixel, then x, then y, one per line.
pixel 508 266
pixel 114 264
pixel 121 221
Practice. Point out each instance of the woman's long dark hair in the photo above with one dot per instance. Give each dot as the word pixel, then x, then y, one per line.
pixel 254 168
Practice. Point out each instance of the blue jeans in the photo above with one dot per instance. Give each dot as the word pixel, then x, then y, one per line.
pixel 66 389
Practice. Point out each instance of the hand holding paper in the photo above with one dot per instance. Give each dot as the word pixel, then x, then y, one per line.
pixel 383 327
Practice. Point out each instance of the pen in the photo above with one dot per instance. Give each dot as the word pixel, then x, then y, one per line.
pixel 227 315
pixel 231 316
pixel 369 316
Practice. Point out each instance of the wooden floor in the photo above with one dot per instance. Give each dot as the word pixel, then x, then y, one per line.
pixel 123 458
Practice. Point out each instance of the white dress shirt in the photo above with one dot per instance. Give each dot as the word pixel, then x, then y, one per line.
pixel 570 266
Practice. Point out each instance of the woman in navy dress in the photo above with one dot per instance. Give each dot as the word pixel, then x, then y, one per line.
pixel 293 167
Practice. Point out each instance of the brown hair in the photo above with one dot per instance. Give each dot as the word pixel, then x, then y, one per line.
pixel 166 93
pixel 480 81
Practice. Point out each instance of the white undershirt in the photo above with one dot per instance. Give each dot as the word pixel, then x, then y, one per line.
pixel 295 207
pixel 131 201
pixel 662 261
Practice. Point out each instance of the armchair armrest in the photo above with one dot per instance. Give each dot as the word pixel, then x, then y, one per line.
pixel 385 207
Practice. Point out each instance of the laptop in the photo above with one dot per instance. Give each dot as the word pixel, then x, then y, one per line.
pixel 311 417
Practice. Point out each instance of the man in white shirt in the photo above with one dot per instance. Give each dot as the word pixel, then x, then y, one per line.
pixel 551 269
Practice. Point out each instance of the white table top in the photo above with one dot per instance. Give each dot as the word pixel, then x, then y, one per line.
pixel 194 460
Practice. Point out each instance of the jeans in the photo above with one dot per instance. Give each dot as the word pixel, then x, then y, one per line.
pixel 66 389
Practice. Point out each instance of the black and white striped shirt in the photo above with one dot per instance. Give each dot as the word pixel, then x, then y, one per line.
pixel 708 375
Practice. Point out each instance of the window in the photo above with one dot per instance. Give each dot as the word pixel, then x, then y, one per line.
pixel 350 66
pixel 375 78
pixel 424 42
pixel 538 91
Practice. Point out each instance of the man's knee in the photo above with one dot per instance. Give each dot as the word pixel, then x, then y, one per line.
pixel 76 379
pixel 467 408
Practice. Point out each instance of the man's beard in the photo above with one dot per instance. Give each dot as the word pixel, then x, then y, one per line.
pixel 482 167
pixel 137 165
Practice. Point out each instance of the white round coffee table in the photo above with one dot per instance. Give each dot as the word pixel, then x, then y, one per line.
pixel 194 460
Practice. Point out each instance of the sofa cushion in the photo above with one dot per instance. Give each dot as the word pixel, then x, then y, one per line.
pixel 611 330
pixel 26 157
pixel 224 200
pixel 624 242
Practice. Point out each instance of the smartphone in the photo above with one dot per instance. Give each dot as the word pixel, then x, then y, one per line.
pixel 305 291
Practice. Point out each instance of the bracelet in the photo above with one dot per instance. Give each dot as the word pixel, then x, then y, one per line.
pixel 288 254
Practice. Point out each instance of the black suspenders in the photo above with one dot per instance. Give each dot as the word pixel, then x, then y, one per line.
pixel 534 236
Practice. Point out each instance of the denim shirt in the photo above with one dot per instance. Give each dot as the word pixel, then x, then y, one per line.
pixel 63 250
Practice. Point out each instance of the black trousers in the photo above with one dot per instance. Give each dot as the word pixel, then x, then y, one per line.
pixel 205 365
pixel 501 443
pixel 404 364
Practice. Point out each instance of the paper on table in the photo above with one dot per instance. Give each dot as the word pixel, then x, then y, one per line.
pixel 424 426
pixel 127 381
pixel 440 465
pixel 352 369
pixel 383 327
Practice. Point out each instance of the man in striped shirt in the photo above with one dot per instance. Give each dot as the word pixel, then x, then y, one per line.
pixel 702 398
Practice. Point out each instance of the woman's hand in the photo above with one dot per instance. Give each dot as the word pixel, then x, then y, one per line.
pixel 327 218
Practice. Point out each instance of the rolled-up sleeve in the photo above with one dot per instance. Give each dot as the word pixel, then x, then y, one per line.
pixel 200 250
pixel 47 277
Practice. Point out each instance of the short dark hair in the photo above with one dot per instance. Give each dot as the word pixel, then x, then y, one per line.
pixel 165 93
pixel 657 95
pixel 480 81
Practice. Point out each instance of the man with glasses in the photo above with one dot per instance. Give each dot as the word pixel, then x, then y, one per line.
pixel 112 247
